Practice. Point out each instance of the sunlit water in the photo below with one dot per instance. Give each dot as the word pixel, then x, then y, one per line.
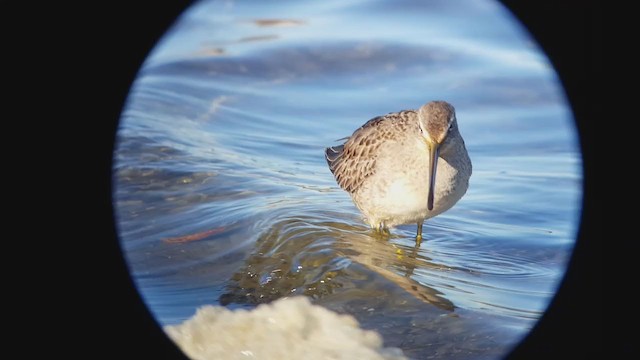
pixel 223 196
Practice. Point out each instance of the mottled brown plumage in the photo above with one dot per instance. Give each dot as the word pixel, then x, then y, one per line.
pixel 386 166
pixel 355 160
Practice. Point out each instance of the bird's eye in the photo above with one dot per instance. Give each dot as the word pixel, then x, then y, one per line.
pixel 450 126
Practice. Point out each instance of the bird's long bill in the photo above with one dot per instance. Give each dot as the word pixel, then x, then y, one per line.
pixel 434 149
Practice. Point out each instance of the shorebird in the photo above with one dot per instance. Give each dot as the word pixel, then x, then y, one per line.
pixel 403 167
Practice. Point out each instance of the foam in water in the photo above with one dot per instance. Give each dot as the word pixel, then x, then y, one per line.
pixel 288 328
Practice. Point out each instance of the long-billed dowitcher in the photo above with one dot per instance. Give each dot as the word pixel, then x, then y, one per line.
pixel 404 167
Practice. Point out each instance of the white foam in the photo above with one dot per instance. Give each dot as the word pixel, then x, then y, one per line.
pixel 289 328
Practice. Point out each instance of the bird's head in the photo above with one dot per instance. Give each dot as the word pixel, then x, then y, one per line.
pixel 436 120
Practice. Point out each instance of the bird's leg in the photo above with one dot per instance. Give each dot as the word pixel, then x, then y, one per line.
pixel 419 233
pixel 382 229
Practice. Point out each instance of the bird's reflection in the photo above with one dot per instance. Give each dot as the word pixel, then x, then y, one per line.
pixel 310 256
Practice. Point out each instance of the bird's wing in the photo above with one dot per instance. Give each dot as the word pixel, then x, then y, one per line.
pixel 354 161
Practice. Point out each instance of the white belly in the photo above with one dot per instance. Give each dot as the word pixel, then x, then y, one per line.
pixel 400 199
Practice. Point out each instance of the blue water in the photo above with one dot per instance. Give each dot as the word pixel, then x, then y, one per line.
pixel 224 132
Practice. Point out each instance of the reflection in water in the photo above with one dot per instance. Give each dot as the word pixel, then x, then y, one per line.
pixel 306 256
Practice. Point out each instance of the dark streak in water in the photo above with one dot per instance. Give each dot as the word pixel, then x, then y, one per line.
pixel 194 237
pixel 278 22
pixel 330 59
pixel 258 38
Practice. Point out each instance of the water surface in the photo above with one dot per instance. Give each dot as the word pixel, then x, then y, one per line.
pixel 223 196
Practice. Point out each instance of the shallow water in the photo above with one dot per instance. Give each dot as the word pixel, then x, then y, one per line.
pixel 223 196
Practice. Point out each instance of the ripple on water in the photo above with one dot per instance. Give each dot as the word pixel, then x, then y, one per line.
pixel 222 194
pixel 477 270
